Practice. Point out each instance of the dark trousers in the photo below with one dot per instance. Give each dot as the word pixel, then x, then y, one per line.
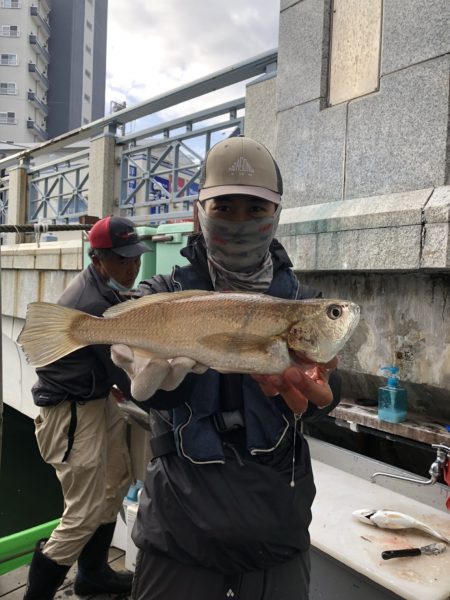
pixel 159 578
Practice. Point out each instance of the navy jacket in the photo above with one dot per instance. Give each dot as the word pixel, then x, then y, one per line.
pixel 215 502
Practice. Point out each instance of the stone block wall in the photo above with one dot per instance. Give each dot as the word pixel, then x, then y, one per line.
pixel 367 195
pixel 390 141
pixel 36 274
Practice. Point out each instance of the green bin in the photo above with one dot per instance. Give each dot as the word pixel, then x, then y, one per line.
pixel 168 251
pixel 148 259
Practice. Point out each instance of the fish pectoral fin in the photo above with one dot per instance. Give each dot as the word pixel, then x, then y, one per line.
pixel 240 343
pixel 128 305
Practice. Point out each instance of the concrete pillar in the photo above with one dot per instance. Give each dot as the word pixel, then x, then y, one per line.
pixel 102 175
pixel 17 200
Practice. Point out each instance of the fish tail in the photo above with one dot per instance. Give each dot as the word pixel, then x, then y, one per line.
pixel 432 532
pixel 49 333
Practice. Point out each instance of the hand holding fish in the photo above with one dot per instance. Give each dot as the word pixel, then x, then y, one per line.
pixel 150 374
pixel 301 383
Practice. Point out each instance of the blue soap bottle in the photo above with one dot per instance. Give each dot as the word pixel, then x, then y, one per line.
pixel 392 402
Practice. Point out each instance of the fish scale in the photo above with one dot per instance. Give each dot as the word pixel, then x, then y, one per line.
pixel 230 332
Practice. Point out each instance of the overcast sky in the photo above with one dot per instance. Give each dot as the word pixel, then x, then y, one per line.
pixel 157 45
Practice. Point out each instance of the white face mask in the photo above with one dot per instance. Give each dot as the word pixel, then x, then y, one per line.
pixel 116 286
pixel 239 246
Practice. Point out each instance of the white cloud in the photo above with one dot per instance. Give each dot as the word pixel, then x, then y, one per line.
pixel 158 45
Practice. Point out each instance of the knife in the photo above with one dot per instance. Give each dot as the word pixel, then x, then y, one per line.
pixel 431 549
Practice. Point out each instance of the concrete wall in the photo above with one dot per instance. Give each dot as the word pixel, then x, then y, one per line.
pixel 260 111
pixel 29 274
pixel 367 200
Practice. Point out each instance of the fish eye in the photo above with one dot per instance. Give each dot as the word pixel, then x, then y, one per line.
pixel 334 311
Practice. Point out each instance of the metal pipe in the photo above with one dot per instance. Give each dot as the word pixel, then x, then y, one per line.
pixel 43 227
pixel 442 456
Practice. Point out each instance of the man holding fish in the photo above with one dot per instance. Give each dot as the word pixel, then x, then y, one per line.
pixel 227 499
pixel 226 354
pixel 80 429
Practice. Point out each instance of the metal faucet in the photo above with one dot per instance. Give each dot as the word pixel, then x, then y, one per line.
pixel 442 456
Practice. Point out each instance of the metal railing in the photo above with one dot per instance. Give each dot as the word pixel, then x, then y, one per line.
pixel 4 197
pixel 160 176
pixel 58 190
pixel 159 166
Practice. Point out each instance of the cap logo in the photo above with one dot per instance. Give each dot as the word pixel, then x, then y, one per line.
pixel 126 235
pixel 241 167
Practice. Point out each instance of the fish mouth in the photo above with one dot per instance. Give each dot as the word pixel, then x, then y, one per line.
pixel 299 357
pixel 368 516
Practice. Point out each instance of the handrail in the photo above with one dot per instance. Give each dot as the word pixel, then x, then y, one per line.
pixel 16 549
pixel 242 71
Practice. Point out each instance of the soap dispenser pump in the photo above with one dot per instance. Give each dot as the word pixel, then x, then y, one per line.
pixel 392 402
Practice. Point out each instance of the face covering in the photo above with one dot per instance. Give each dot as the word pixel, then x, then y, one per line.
pixel 239 246
pixel 238 251
pixel 116 286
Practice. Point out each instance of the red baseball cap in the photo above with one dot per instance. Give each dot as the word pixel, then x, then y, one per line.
pixel 117 234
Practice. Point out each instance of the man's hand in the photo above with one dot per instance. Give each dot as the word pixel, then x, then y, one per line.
pixel 150 374
pixel 117 394
pixel 301 383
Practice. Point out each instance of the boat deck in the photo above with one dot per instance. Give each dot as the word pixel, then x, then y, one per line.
pixel 12 585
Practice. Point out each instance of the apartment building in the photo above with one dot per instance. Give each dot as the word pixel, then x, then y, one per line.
pixel 52 67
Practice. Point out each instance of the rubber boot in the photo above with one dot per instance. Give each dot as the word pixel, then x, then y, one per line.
pixel 94 575
pixel 45 575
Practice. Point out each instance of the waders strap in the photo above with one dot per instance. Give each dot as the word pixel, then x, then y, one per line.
pixel 72 429
pixel 162 444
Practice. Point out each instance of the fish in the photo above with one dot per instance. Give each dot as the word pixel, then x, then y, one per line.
pixel 389 519
pixel 229 332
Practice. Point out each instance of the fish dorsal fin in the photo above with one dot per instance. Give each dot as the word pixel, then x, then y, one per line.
pixel 240 343
pixel 128 305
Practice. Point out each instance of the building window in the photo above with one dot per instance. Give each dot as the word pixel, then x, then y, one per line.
pixel 8 88
pixel 89 25
pixel 87 97
pixel 10 4
pixel 8 117
pixel 8 59
pixel 9 31
pixel 88 49
pixel 87 73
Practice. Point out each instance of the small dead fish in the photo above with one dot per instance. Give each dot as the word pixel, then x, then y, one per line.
pixel 389 519
pixel 229 332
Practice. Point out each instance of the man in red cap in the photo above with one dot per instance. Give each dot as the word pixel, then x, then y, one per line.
pixel 81 431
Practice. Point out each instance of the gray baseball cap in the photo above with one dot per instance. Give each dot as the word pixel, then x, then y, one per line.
pixel 240 165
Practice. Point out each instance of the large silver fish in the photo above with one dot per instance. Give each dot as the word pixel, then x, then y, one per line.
pixel 229 332
pixel 390 519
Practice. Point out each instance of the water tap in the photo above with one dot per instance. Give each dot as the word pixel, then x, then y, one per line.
pixel 437 466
